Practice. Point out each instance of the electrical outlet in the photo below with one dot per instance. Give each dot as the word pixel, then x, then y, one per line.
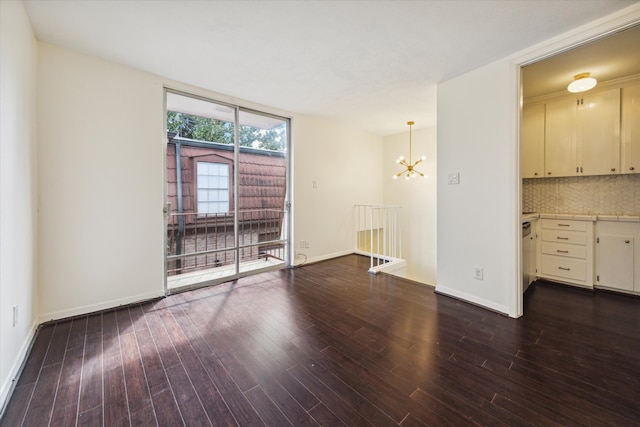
pixel 15 315
pixel 453 178
pixel 478 273
pixel 304 244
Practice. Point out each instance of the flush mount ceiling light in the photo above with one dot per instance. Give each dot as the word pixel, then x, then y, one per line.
pixel 409 171
pixel 582 83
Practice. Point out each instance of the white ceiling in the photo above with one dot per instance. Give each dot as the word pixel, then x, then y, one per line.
pixel 373 63
pixel 608 58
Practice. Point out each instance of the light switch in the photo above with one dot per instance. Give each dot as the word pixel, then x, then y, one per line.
pixel 454 178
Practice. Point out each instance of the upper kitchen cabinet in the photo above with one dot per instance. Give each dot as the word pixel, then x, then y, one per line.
pixel 560 137
pixel 582 134
pixel 631 129
pixel 599 143
pixel 532 141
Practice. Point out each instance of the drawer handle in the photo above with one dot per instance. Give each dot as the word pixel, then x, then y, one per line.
pixel 562 238
pixel 564 268
pixel 564 225
pixel 562 252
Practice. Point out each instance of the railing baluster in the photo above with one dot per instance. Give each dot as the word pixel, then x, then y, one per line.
pixel 382 225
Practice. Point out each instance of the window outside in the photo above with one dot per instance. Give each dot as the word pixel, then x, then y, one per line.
pixel 213 187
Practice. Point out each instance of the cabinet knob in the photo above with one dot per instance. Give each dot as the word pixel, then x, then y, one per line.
pixel 536 173
pixel 613 169
pixel 627 241
pixel 548 173
pixel 632 168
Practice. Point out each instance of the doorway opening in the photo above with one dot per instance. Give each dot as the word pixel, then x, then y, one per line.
pixel 227 181
pixel 577 155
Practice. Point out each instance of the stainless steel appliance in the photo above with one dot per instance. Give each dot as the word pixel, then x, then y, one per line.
pixel 526 255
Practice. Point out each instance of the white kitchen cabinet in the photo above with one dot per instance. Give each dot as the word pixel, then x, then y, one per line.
pixel 560 138
pixel 532 141
pixel 630 144
pixel 582 134
pixel 617 256
pixel 615 261
pixel 566 251
pixel 599 143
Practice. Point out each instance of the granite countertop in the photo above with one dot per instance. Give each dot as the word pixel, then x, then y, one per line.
pixel 580 217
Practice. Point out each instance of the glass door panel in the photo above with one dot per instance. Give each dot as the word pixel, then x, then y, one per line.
pixel 201 238
pixel 263 222
pixel 227 194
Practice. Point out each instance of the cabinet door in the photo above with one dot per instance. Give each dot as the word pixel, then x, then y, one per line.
pixel 598 139
pixel 532 141
pixel 631 129
pixel 615 261
pixel 560 137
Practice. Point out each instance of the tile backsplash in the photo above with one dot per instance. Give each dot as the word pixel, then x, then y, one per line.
pixel 607 194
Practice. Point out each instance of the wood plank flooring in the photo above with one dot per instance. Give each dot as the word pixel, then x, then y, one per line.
pixel 328 344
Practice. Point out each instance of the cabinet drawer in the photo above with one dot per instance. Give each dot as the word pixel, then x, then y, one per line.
pixel 563 267
pixel 559 249
pixel 559 224
pixel 559 236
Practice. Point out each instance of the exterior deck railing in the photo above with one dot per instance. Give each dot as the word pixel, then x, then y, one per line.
pixel 204 241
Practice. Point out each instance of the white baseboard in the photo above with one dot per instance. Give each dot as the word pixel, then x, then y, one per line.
pixel 396 267
pixel 8 383
pixel 324 257
pixel 472 299
pixel 91 308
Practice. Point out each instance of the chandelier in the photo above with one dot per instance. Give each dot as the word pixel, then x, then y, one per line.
pixel 410 167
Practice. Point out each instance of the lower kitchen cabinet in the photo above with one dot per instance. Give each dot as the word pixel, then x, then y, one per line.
pixel 617 260
pixel 566 251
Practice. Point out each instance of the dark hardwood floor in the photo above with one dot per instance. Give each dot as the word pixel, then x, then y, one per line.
pixel 329 344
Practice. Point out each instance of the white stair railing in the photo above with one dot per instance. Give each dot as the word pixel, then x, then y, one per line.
pixel 378 235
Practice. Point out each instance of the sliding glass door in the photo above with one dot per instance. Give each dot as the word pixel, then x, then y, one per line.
pixel 227 191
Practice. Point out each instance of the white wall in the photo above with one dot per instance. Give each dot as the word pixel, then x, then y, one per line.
pixel 345 165
pixel 417 197
pixel 18 190
pixel 100 149
pixel 101 182
pixel 477 116
pixel 479 219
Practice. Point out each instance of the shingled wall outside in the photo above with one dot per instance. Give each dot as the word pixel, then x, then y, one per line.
pixel 262 189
